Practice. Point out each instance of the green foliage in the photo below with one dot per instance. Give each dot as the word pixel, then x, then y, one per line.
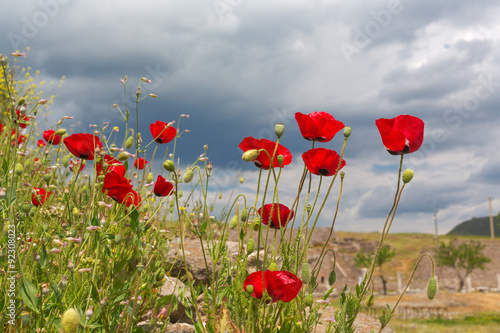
pixel 462 257
pixel 477 227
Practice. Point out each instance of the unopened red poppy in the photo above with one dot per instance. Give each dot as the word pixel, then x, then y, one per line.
pixel 140 163
pixel 318 126
pixel 162 187
pixel 22 119
pixel 113 164
pixel 39 196
pixel 40 143
pixel 161 132
pixel 280 285
pixel 83 145
pixel 51 137
pixel 278 215
pixel 401 135
pixel 262 160
pixel 322 162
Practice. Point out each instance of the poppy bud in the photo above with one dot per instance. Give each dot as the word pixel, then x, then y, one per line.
pixel 306 273
pixel 18 169
pixel 244 215
pixel 233 223
pixel 160 274
pixel 75 212
pixel 90 312
pixel 21 102
pixel 169 165
pixel 280 159
pixel 332 278
pixel 407 175
pixel 60 131
pixel 47 177
pixel 249 289
pixel 370 301
pixel 149 178
pixel 309 300
pixel 25 318
pixel 272 266
pixel 45 227
pixel 279 129
pixel 118 238
pixel 188 176
pixel 432 288
pixel 250 246
pixel 65 161
pixel 3 61
pixel 70 321
pixel 139 267
pixel 250 155
pixel 342 175
pixel 129 143
pixel 26 207
pixel 122 157
pixel 241 180
pixel 220 196
pixel 347 131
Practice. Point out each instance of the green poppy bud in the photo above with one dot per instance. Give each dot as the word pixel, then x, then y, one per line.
pixel 188 176
pixel 70 321
pixel 21 102
pixel 65 161
pixel 241 180
pixel 332 278
pixel 149 178
pixel 250 246
pixel 309 300
pixel 273 266
pixel 249 289
pixel 306 273
pixel 347 131
pixel 26 207
pixel 244 215
pixel 129 143
pixel 279 129
pixel 169 165
pixel 139 267
pixel 407 175
pixel 60 131
pixel 47 177
pixel 122 157
pixel 432 288
pixel 18 169
pixel 76 212
pixel 370 301
pixel 233 223
pixel 118 238
pixel 280 159
pixel 250 155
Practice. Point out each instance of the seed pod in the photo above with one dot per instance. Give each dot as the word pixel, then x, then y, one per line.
pixel 188 176
pixel 169 165
pixel 407 175
pixel 18 169
pixel 306 273
pixel 129 143
pixel 250 246
pixel 70 321
pixel 279 129
pixel 65 161
pixel 309 300
pixel 432 288
pixel 233 223
pixel 149 178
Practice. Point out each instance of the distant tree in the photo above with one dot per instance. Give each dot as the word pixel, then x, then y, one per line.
pixel 363 260
pixel 463 258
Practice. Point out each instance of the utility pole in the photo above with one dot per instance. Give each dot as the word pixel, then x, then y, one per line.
pixel 492 230
pixel 436 225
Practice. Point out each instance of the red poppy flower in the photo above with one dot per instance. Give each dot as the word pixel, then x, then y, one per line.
pixel 285 215
pixel 51 137
pixel 39 196
pixel 22 119
pixel 40 143
pixel 318 126
pixel 322 162
pixel 74 164
pixel 280 285
pixel 1 128
pixel 20 139
pixel 262 161
pixel 83 145
pixel 120 189
pixel 401 135
pixel 140 163
pixel 161 132
pixel 113 165
pixel 162 187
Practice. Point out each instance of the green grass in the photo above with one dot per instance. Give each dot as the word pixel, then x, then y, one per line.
pixel 480 322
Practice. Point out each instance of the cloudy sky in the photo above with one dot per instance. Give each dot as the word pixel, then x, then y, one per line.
pixel 238 66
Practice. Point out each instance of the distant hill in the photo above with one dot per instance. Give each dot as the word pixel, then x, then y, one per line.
pixel 477 226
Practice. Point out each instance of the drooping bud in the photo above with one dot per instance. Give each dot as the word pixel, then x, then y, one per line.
pixel 347 131
pixel 21 102
pixel 279 129
pixel 306 273
pixel 244 215
pixel 129 143
pixel 169 165
pixel 370 301
pixel 60 131
pixel 250 155
pixel 407 176
pixel 233 223
pixel 149 178
pixel 332 278
pixel 250 246
pixel 65 161
pixel 241 180
pixel 432 288
pixel 70 321
pixel 188 176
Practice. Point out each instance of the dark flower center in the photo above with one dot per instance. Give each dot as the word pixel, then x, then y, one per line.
pixel 323 172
